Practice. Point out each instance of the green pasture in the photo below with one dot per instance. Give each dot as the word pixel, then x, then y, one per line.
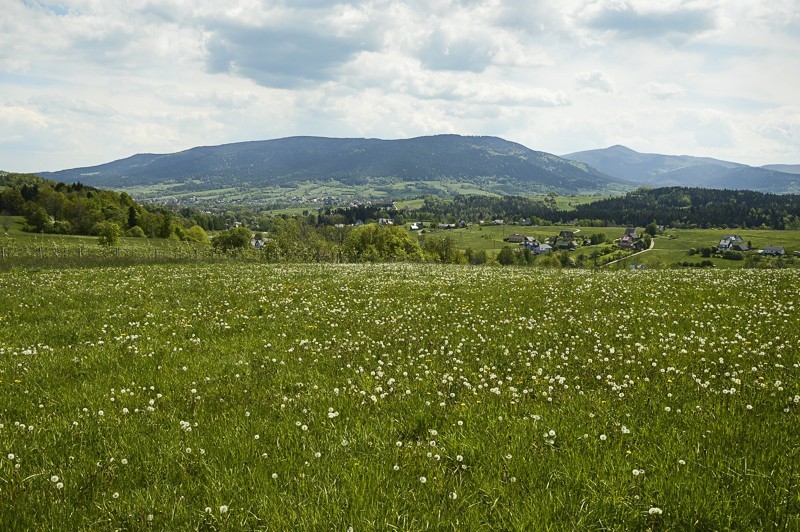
pixel 236 396
pixel 670 248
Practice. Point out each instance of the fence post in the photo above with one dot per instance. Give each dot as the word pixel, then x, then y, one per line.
pixel 4 252
pixel 40 252
pixel 80 251
pixel 117 252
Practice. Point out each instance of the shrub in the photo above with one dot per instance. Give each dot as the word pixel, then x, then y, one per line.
pixel 236 238
pixel 108 233
pixel 136 232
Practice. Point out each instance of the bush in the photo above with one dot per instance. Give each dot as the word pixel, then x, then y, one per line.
pixel 506 256
pixel 136 232
pixel 108 233
pixel 196 234
pixel 236 238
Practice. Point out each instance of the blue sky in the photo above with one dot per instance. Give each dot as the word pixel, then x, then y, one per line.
pixel 88 81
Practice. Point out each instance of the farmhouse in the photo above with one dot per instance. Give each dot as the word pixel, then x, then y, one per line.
pixel 773 250
pixel 565 240
pixel 732 242
pixel 385 221
pixel 416 226
pixel 516 237
pixel 631 239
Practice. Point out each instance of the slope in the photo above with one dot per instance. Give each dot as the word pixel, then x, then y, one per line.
pixel 491 164
pixel 682 170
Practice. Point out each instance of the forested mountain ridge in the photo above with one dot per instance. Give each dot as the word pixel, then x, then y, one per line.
pixel 679 207
pixel 697 207
pixel 491 164
pixel 682 170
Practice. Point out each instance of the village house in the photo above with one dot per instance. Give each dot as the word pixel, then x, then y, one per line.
pixel 535 247
pixel 775 251
pixel 732 242
pixel 540 248
pixel 565 240
pixel 515 238
pixel 631 239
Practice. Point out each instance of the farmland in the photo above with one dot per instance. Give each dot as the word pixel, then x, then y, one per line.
pixel 235 395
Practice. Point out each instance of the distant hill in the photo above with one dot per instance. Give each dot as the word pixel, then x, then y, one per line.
pixel 683 170
pixel 788 168
pixel 480 164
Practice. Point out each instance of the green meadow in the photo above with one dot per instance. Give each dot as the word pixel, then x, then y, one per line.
pixel 670 248
pixel 225 396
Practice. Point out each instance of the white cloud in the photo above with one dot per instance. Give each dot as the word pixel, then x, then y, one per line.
pixel 664 91
pixel 594 81
pixel 90 81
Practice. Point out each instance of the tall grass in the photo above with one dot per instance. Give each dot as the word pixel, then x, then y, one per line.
pixel 242 395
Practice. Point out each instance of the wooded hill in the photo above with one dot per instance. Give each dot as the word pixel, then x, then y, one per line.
pixel 488 164
pixel 671 206
pixel 55 207
pixel 697 207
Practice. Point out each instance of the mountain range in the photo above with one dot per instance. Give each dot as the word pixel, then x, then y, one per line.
pixel 658 170
pixel 439 164
pixel 483 164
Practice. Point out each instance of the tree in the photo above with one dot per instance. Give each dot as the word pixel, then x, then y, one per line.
pixel 598 238
pixel 236 238
pixel 372 243
pixel 108 233
pixel 443 249
pixel 136 232
pixel 5 221
pixel 37 218
pixel 652 228
pixel 196 234
pixel 12 201
pixel 506 256
pixel 134 219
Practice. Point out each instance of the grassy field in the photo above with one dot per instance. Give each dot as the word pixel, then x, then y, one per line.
pixel 230 396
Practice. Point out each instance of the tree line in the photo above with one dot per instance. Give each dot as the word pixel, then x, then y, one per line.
pixel 76 209
pixel 678 207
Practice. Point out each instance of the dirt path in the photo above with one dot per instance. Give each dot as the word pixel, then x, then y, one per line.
pixel 652 245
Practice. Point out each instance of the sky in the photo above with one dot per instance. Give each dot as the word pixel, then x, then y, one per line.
pixel 84 82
